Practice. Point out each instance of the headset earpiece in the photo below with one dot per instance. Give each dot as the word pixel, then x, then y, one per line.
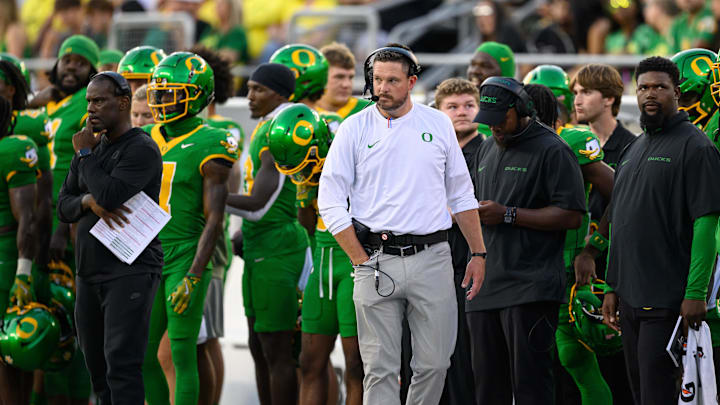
pixel 414 68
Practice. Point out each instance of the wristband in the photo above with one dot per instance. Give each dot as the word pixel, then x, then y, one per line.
pixel 479 254
pixel 24 267
pixel 599 242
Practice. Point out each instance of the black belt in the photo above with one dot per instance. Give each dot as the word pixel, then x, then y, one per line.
pixel 404 245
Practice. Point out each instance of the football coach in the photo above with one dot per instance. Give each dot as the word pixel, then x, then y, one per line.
pixel 113 162
pixel 400 165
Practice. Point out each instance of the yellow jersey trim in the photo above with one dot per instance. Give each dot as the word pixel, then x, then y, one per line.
pixel 214 156
pixel 53 106
pixel 166 146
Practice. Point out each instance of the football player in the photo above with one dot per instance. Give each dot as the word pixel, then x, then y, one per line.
pixel 338 96
pixel 196 166
pixel 138 64
pixel 695 91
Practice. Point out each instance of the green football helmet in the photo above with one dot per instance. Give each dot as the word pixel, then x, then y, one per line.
pixel 182 85
pixel 18 64
pixel 140 62
pixel 64 351
pixel 62 288
pixel 30 335
pixel 299 141
pixel 557 80
pixel 696 95
pixel 585 309
pixel 308 64
pixel 62 306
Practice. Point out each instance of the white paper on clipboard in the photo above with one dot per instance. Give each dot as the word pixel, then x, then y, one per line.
pixel 676 345
pixel 146 221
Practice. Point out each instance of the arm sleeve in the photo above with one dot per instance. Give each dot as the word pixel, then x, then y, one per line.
pixel 564 180
pixel 69 206
pixel 129 177
pixel 337 178
pixel 702 196
pixel 458 186
pixel 702 257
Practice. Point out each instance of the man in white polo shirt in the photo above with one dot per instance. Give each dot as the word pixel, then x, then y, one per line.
pixel 403 171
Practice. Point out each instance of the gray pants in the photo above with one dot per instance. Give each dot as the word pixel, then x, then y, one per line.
pixel 419 287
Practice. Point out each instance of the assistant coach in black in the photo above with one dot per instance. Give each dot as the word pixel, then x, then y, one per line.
pixel 663 217
pixel 114 162
pixel 531 190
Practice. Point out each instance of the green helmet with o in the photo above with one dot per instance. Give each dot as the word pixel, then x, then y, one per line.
pixel 556 79
pixel 585 309
pixel 31 334
pixel 309 66
pixel 695 66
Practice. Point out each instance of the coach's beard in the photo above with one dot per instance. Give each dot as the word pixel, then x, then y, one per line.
pixel 652 122
pixel 388 105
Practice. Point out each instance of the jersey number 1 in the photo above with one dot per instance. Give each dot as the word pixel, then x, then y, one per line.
pixel 168 175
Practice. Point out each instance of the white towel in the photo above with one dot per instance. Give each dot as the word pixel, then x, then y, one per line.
pixel 698 384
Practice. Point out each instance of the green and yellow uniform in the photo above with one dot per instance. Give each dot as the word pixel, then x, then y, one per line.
pixel 274 250
pixel 66 117
pixel 686 29
pixel 35 125
pixel 222 258
pixel 711 129
pixel 18 167
pixel 575 356
pixel 353 106
pixel 646 41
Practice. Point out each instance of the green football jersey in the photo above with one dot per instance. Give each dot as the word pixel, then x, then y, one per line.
pixel 686 30
pixel 35 125
pixel 67 117
pixel 18 167
pixel 278 231
pixel 353 106
pixel 711 129
pixel 646 41
pixel 218 121
pixel 181 191
pixel 586 148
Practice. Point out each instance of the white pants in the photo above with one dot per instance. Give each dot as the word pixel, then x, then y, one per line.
pixel 419 287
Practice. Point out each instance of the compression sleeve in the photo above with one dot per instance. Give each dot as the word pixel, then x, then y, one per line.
pixel 702 257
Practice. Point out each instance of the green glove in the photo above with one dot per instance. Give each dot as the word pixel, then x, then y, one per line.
pixel 21 292
pixel 183 295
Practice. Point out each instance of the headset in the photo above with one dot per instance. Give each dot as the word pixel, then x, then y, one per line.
pixel 122 88
pixel 525 107
pixel 368 66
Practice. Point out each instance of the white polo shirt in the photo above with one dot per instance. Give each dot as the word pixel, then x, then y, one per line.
pixel 400 175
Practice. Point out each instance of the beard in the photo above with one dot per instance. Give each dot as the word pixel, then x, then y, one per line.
pixel 74 88
pixel 653 122
pixel 391 104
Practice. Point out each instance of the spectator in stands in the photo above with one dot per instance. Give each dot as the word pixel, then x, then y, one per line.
pixel 99 15
pixel 695 27
pixel 626 15
pixel 12 34
pixel 555 30
pixel 259 18
pixel 191 8
pixel 653 37
pixel 229 37
pixel 109 59
pixel 67 20
pixel 493 25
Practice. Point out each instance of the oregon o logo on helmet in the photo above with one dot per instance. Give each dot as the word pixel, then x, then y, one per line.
pixel 302 141
pixel 154 58
pixel 201 68
pixel 426 136
pixel 696 68
pixel 21 333
pixel 296 57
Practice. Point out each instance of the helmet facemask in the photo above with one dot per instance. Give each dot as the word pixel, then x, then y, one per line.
pixel 170 102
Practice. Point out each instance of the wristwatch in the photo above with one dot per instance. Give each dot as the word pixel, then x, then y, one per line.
pixel 510 215
pixel 84 152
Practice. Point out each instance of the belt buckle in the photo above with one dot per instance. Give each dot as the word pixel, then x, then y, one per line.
pixel 402 250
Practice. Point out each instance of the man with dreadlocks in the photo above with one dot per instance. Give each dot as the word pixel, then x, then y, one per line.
pixel 575 353
pixel 18 173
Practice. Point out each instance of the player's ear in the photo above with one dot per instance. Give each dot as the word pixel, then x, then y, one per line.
pixel 124 103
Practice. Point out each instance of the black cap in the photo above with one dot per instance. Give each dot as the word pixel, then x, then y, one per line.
pixel 494 104
pixel 278 78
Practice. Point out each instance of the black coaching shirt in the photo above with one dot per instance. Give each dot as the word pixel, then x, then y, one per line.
pixel 459 249
pixel 537 170
pixel 113 173
pixel 664 181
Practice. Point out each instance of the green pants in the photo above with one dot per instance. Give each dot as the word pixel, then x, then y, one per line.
pixel 182 330
pixel 578 359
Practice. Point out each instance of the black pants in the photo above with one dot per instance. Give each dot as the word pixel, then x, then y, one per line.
pixel 113 319
pixel 512 354
pixel 645 334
